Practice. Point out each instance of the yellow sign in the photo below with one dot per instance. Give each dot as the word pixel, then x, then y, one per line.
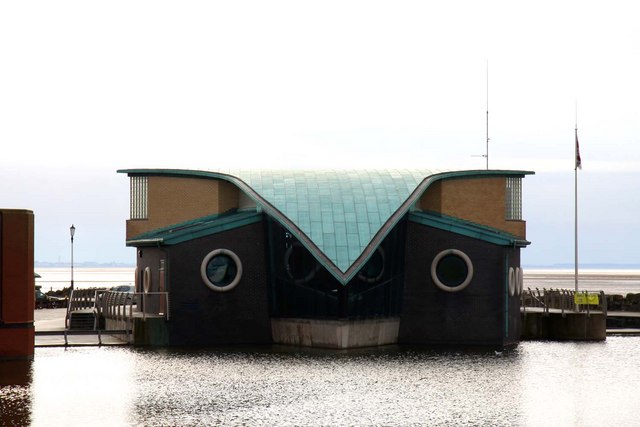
pixel 586 299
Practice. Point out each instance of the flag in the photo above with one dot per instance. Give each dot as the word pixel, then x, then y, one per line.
pixel 578 159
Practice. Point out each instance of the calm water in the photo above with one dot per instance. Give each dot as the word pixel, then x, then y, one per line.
pixel 58 278
pixel 537 383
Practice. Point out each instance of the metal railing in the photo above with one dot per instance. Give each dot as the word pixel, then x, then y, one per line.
pixel 127 305
pixel 564 300
pixel 121 306
pixel 154 304
pixel 82 299
pixel 115 305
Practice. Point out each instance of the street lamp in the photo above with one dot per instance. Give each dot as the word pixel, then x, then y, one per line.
pixel 72 231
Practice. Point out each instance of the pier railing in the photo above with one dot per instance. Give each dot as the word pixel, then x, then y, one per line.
pixel 153 304
pixel 82 300
pixel 126 305
pixel 563 300
pixel 101 304
pixel 116 305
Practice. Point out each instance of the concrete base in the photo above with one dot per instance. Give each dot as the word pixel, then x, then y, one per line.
pixel 337 334
pixel 564 326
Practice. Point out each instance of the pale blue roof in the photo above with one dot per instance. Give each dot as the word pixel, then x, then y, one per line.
pixel 341 216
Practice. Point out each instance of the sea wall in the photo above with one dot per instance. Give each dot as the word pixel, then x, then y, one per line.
pixel 630 302
pixel 566 326
pixel 623 304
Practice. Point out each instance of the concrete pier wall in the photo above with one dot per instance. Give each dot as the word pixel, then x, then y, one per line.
pixel 569 326
pixel 338 334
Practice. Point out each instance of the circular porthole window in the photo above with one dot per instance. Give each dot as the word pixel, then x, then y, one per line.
pixel 519 281
pixel 373 270
pixel 512 281
pixel 146 280
pixel 451 270
pixel 301 267
pixel 221 270
pixel 136 278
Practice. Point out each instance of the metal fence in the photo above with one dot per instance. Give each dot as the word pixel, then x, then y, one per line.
pixel 121 306
pixel 564 300
pixel 127 305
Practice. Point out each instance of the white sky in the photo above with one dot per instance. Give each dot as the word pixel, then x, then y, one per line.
pixel 89 87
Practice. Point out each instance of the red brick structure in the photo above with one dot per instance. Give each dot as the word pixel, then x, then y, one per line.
pixel 17 284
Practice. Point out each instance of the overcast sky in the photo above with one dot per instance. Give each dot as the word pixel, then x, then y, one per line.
pixel 88 87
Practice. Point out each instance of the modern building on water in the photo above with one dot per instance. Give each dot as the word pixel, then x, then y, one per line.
pixel 329 258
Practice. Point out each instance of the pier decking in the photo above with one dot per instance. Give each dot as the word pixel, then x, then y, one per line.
pixel 50 331
pixel 96 317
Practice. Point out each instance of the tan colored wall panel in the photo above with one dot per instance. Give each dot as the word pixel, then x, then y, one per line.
pixel 228 195
pixel 136 226
pixel 517 228
pixel 432 199
pixel 172 200
pixel 479 200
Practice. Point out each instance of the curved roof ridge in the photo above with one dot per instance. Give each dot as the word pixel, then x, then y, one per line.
pixel 340 215
pixel 335 213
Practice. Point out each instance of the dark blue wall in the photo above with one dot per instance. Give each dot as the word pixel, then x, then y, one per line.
pixel 201 316
pixel 483 313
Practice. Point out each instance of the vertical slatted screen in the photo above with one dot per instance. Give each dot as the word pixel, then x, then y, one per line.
pixel 514 199
pixel 138 191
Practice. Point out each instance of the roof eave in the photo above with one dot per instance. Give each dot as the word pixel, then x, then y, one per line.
pixel 145 242
pixel 194 229
pixel 476 231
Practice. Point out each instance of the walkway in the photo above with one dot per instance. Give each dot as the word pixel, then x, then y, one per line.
pixel 50 332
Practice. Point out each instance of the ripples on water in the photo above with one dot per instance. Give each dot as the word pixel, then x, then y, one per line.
pixel 537 383
pixel 321 389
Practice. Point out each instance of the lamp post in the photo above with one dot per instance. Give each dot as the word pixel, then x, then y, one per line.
pixel 72 231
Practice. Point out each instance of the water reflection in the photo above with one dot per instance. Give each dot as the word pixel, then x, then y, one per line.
pixel 390 386
pixel 537 383
pixel 83 386
pixel 579 383
pixel 15 392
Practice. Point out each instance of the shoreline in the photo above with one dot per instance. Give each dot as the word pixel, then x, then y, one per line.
pixel 610 281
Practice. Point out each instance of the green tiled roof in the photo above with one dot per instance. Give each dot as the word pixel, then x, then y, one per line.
pixel 339 212
pixel 341 216
pixel 194 229
pixel 467 228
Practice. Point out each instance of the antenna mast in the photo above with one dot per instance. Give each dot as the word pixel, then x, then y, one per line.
pixel 487 151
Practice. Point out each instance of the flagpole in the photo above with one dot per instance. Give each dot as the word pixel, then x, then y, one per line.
pixel 576 213
pixel 577 165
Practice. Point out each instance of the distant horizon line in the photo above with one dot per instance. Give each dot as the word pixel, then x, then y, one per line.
pixel 52 264
pixel 115 264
